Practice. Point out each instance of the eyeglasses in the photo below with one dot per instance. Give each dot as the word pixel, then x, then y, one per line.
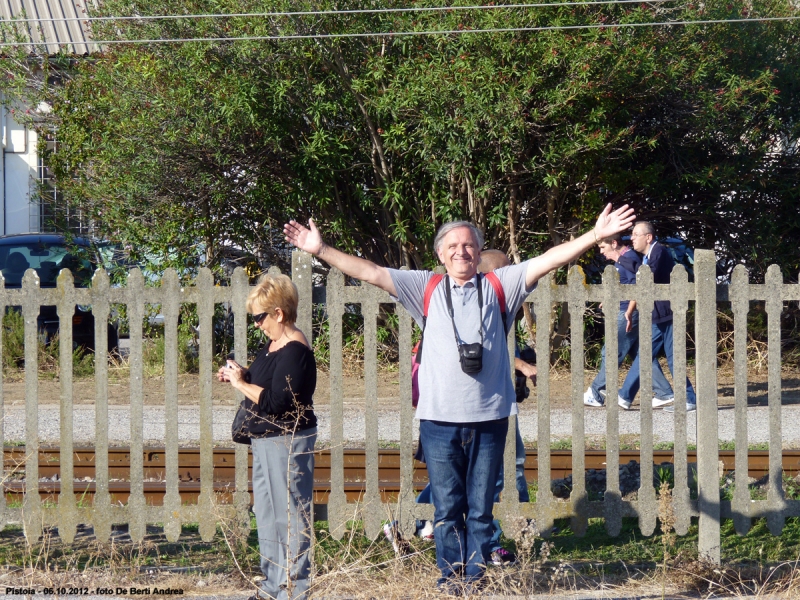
pixel 260 317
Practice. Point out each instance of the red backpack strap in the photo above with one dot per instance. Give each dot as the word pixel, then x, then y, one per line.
pixel 498 289
pixel 430 287
pixel 501 296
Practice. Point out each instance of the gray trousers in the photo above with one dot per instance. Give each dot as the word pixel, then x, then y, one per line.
pixel 283 483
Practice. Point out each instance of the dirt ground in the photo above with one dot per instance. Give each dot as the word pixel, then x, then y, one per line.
pixel 353 386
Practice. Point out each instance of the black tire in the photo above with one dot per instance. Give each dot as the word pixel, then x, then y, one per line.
pixel 113 339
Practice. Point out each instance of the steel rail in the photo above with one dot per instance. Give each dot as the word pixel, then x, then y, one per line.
pixel 154 469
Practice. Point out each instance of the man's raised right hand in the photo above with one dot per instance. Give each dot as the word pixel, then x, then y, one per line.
pixel 304 238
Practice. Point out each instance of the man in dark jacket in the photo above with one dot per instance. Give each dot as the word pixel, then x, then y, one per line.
pixel 627 262
pixel 660 262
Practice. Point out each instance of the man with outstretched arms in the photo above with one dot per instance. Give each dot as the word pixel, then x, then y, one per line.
pixel 466 388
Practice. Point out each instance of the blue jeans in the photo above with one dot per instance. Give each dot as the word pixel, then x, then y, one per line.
pixel 424 496
pixel 662 339
pixel 522 488
pixel 628 345
pixel 463 460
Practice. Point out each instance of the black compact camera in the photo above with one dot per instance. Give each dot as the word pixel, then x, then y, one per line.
pixel 521 390
pixel 471 357
pixel 520 381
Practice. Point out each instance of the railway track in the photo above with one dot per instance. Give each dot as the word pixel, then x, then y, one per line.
pixel 154 470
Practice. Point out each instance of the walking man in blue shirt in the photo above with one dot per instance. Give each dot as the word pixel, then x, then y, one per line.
pixel 627 262
pixel 660 262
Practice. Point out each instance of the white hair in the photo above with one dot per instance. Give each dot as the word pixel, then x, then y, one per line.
pixel 448 227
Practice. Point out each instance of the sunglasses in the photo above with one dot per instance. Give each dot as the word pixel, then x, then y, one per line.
pixel 260 317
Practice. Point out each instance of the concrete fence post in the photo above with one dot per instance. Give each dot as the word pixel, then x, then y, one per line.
pixel 405 502
pixel 303 280
pixel 740 305
pixel 67 509
pixel 32 504
pixel 680 293
pixel 101 513
pixel 545 506
pixel 775 499
pixel 577 296
pixel 612 500
pixel 645 297
pixel 5 516
pixel 338 511
pixel 240 288
pixel 137 517
pixel 708 503
pixel 171 293
pixel 373 512
pixel 205 318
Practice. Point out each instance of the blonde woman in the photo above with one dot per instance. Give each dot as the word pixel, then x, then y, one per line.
pixel 282 429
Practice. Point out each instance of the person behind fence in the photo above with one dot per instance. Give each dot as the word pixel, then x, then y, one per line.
pixel 466 389
pixel 627 262
pixel 660 262
pixel 280 425
pixel 490 261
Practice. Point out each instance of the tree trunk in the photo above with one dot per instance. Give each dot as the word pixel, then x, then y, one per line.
pixel 513 216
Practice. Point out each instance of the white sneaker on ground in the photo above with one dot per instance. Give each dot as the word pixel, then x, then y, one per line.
pixel 659 402
pixel 392 533
pixel 426 532
pixel 626 404
pixel 589 399
pixel 689 408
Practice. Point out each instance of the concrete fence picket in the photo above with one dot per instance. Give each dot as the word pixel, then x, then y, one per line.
pixel 705 292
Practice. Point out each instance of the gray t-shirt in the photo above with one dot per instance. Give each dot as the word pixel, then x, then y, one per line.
pixel 446 393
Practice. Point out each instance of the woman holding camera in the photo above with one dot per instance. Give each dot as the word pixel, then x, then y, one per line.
pixel 281 428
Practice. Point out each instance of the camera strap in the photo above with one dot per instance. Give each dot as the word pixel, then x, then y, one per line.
pixel 449 298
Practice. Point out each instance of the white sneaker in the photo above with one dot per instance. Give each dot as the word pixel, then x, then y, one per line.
pixel 392 533
pixel 590 400
pixel 659 402
pixel 689 408
pixel 426 532
pixel 626 404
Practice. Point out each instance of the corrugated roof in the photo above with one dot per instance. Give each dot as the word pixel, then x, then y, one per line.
pixel 56 24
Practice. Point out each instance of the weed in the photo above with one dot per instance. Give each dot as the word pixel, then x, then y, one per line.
pixel 154 353
pixel 665 474
pixel 533 490
pixel 791 487
pixel 387 335
pixel 666 516
pixel 13 340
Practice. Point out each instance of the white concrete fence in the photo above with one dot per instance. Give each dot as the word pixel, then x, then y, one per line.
pixel 705 292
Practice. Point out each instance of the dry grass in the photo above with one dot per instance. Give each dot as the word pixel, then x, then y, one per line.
pixel 359 569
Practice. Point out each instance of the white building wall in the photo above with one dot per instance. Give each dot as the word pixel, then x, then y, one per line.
pixel 19 171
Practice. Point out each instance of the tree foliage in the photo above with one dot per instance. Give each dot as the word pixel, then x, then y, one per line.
pixel 381 139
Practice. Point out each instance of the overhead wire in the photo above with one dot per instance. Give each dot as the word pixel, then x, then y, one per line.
pixel 354 11
pixel 409 33
pixel 406 33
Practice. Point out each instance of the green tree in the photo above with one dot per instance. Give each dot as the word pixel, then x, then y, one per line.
pixel 381 139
